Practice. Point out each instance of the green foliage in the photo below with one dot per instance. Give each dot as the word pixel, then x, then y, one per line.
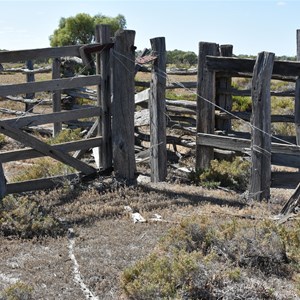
pixel 25 218
pixel 17 291
pixel 282 105
pixel 285 129
pixel 81 28
pixel 175 96
pixel 240 103
pixel 179 58
pixel 159 277
pixel 2 139
pixel 232 174
pixel 66 135
pixel 205 258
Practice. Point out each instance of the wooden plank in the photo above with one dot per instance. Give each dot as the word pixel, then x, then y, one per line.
pixel 157 107
pixel 293 203
pixel 205 110
pixel 245 93
pixel 286 160
pixel 260 178
pixel 192 105
pixel 180 110
pixel 285 179
pixel 26 70
pixel 56 95
pixel 142 96
pixel 224 100
pixel 142 117
pixel 49 118
pixel 103 36
pixel 232 64
pixel 247 116
pixel 123 106
pixel 47 150
pixel 92 132
pixel 49 85
pixel 31 54
pixel 241 144
pixel 22 154
pixel 223 142
pixel 40 184
pixel 171 85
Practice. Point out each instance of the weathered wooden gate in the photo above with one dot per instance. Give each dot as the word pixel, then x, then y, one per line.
pixel 100 133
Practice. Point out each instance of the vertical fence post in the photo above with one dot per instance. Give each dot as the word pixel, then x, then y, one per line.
pixel 260 180
pixel 123 70
pixel 157 106
pixel 103 36
pixel 205 110
pixel 224 98
pixel 56 95
pixel 297 94
pixel 3 187
pixel 30 78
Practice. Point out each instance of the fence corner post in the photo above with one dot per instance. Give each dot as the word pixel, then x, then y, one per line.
pixel 157 106
pixel 205 111
pixel 260 178
pixel 123 106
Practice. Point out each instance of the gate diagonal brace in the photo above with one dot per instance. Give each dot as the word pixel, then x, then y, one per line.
pixel 45 149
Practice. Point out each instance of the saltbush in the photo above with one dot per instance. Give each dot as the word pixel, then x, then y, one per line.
pixel 231 174
pixel 17 291
pixel 26 218
pixel 220 258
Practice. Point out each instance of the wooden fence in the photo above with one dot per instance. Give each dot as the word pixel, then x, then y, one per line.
pixel 215 73
pixel 209 118
pixel 110 81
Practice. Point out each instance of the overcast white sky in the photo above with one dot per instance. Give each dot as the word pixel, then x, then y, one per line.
pixel 251 26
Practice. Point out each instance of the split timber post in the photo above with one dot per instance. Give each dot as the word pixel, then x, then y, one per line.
pixel 205 111
pixel 223 99
pixel 103 36
pixel 260 180
pixel 123 106
pixel 56 95
pixel 297 95
pixel 157 107
pixel 3 187
pixel 30 78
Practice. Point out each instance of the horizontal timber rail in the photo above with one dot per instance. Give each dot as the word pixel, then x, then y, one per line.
pixel 232 64
pixel 48 118
pixel 49 85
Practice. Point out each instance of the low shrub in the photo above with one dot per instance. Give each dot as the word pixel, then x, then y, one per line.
pixel 66 135
pixel 241 103
pixel 232 174
pixel 17 291
pixel 215 259
pixel 26 218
